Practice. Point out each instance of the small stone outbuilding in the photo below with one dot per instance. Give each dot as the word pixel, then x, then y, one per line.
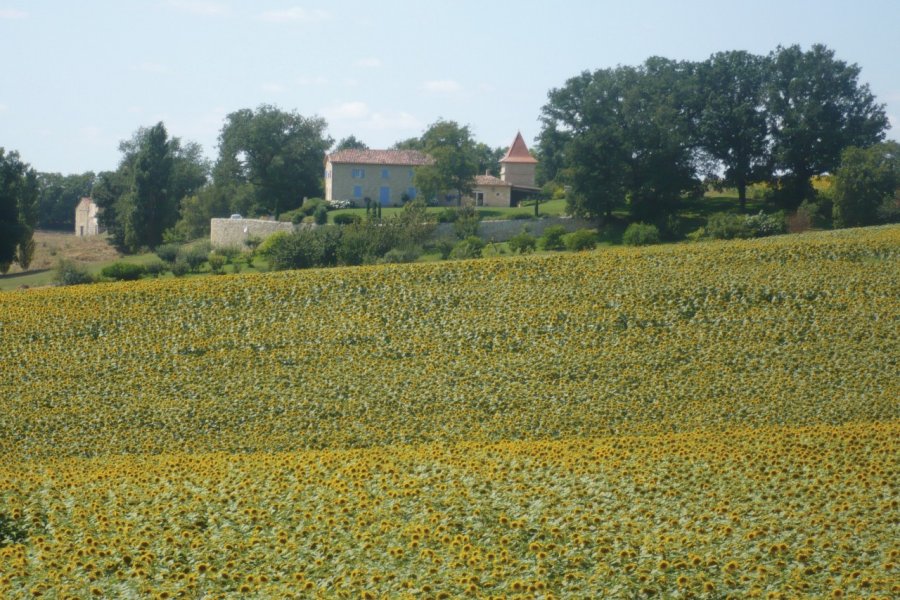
pixel 86 222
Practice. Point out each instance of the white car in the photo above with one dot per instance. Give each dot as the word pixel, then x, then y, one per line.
pixel 236 217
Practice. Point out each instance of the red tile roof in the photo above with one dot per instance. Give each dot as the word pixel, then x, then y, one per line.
pixel 405 158
pixel 518 152
pixel 490 180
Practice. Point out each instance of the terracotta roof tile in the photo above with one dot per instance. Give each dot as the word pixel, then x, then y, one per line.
pixel 490 180
pixel 518 152
pixel 409 158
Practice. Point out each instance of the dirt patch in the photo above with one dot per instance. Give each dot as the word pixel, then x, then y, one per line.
pixel 51 246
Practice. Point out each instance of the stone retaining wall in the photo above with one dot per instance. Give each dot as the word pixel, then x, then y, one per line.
pixel 233 232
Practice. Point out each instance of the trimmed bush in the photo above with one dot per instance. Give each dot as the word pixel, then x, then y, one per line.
pixel 320 216
pixel 123 271
pixel 640 234
pixel 71 273
pixel 553 238
pixel 346 219
pixel 762 225
pixel 583 239
pixel 194 256
pixel 522 243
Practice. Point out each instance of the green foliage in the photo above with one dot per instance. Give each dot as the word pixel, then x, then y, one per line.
pixel 58 195
pixel 18 209
pixel 762 225
pixel 346 219
pixel 583 239
pixel 466 223
pixel 306 249
pixel 816 108
pixel 68 272
pixel 180 268
pixel 269 245
pixel 727 226
pixel 123 271
pixel 406 254
pixel 522 243
pixel 277 153
pixel 553 238
pixel 12 530
pixel 640 234
pixel 350 143
pixel 866 180
pixel 471 247
pixel 448 215
pixel 155 268
pixel 320 216
pixel 216 263
pixel 444 246
pixel 167 252
pixel 193 255
pixel 455 160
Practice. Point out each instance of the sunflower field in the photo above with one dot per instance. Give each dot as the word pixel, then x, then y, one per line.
pixel 689 421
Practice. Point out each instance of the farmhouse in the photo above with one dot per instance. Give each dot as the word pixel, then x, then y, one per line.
pixel 386 176
pixel 86 218
pixel 383 176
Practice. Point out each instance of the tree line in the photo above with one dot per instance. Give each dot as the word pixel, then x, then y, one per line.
pixel 642 138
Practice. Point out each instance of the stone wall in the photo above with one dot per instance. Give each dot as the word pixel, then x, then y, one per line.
pixel 500 231
pixel 232 232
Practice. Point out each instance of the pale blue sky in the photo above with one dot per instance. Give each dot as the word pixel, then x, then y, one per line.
pixel 77 77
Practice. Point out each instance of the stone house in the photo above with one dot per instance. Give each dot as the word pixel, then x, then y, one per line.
pixel 386 176
pixel 383 176
pixel 86 218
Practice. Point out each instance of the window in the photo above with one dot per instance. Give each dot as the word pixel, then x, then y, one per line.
pixel 358 174
pixel 479 198
pixel 384 196
pixel 385 173
pixel 357 191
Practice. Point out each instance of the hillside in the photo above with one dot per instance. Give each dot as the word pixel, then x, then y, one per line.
pixel 697 420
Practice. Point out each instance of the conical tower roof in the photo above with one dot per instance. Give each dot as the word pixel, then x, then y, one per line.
pixel 518 152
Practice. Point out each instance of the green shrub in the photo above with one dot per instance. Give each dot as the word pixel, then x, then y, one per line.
pixel 155 268
pixel 168 252
pixel 306 249
pixel 406 254
pixel 727 226
pixel 471 247
pixel 180 268
pixel 553 238
pixel 216 262
pixel 583 239
pixel 640 234
pixel 194 255
pixel 522 217
pixel 229 252
pixel 444 247
pixel 762 225
pixel 271 243
pixel 71 273
pixel 523 243
pixel 448 215
pixel 320 216
pixel 123 271
pixel 346 219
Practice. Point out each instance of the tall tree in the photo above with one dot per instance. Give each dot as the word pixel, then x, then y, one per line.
pixel 455 160
pixel 732 124
pixel 628 137
pixel 279 153
pixel 18 210
pixel 140 200
pixel 817 107
pixel 866 180
pixel 350 143
pixel 151 207
pixel 488 158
